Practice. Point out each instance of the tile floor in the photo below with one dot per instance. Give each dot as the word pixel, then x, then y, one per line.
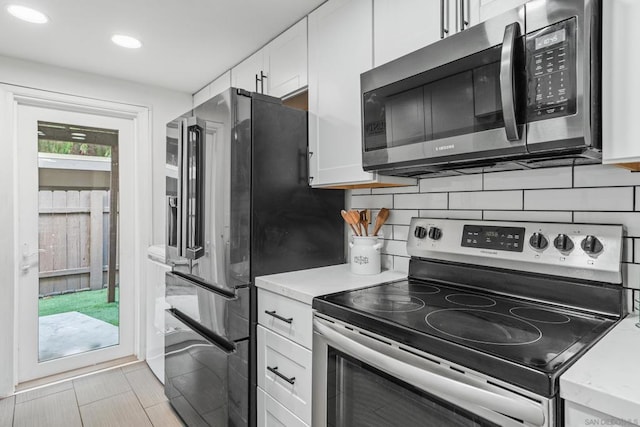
pixel 127 396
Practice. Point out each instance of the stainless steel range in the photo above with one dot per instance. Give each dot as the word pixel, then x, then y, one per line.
pixel 491 314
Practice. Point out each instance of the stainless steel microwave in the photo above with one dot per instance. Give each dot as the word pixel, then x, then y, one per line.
pixel 522 88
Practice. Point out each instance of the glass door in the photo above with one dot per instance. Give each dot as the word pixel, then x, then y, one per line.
pixel 75 293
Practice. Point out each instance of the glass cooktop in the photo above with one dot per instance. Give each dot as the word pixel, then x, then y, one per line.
pixel 493 334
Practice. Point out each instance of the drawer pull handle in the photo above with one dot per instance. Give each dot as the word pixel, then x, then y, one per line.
pixel 291 380
pixel 277 316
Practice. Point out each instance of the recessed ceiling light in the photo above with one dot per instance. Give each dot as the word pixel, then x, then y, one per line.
pixel 126 41
pixel 27 14
pixel 78 134
pixel 80 138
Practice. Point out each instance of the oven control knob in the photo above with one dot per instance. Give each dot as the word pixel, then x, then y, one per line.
pixel 435 233
pixel 420 232
pixel 563 243
pixel 538 241
pixel 591 245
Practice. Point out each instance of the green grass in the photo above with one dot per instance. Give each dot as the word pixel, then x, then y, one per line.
pixel 91 303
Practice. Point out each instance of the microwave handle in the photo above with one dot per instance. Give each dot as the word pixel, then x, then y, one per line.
pixel 507 81
pixel 455 391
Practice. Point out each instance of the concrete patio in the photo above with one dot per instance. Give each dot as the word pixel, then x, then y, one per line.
pixel 70 333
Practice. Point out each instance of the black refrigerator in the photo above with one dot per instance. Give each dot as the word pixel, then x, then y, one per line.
pixel 238 206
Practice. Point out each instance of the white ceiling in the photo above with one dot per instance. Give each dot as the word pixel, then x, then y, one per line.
pixel 186 43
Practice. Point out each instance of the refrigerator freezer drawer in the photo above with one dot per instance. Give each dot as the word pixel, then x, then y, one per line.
pixel 222 312
pixel 205 382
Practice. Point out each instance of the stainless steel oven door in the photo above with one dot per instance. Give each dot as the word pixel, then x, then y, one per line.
pixel 453 100
pixel 362 380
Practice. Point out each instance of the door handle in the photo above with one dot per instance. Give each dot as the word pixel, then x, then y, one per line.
pixel 443 31
pixel 274 370
pixel 464 22
pixel 29 259
pixel 263 77
pixel 190 206
pixel 507 81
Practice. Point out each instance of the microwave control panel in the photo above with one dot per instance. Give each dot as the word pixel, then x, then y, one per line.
pixel 551 71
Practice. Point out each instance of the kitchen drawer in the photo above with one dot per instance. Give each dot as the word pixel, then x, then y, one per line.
pixel 290 318
pixel 273 414
pixel 291 387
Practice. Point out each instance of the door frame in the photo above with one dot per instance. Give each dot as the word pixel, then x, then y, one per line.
pixel 14 97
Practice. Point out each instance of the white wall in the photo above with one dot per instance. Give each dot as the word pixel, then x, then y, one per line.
pixel 163 104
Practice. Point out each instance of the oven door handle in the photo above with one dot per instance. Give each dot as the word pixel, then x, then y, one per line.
pixel 432 382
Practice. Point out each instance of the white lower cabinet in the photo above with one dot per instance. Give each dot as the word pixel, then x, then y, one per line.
pixel 284 336
pixel 273 414
pixel 284 372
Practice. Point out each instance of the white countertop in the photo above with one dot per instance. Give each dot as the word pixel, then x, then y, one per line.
pixel 304 285
pixel 607 377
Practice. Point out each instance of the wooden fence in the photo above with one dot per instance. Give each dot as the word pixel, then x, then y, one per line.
pixel 73 240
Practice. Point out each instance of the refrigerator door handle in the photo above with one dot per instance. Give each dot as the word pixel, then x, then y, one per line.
pixel 196 281
pixel 227 346
pixel 191 190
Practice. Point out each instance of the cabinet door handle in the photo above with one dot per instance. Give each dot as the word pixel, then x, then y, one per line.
pixel 263 77
pixel 443 30
pixel 257 80
pixel 463 19
pixel 277 316
pixel 291 380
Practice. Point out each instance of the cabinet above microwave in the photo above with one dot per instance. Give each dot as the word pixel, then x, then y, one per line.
pixel 523 86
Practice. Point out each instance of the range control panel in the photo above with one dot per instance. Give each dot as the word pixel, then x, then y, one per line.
pixel 583 251
pixel 551 71
pixel 493 237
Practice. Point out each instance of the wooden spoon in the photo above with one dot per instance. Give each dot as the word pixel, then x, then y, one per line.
pixel 381 218
pixel 355 220
pixel 348 220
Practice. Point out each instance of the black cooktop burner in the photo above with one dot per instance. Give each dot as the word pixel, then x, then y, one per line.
pixel 470 300
pixel 416 288
pixel 391 303
pixel 484 327
pixel 520 341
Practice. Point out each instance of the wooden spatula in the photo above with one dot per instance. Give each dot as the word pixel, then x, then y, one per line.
pixel 381 218
pixel 365 220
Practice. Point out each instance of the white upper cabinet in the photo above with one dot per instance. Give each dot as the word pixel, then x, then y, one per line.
pixel 212 89
pixel 491 8
pixel 286 60
pixel 247 74
pixel 620 83
pixel 279 68
pixel 400 27
pixel 403 26
pixel 340 49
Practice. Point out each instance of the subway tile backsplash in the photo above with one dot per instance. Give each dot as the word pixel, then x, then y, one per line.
pixel 534 178
pixel 591 194
pixel 478 200
pixel 580 199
